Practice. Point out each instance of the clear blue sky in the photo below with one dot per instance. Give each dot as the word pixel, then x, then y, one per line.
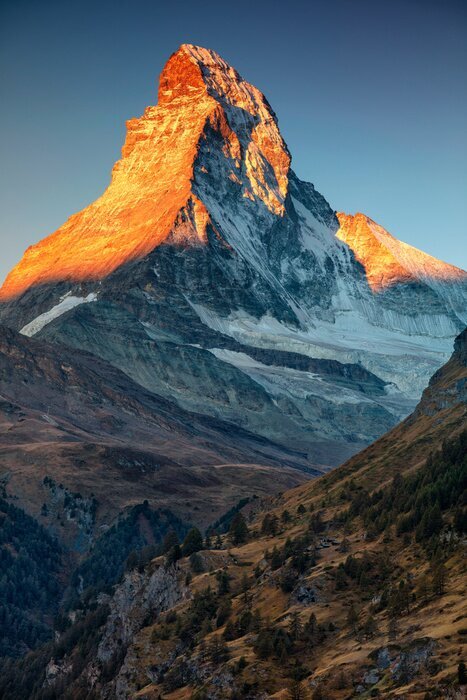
pixel 371 98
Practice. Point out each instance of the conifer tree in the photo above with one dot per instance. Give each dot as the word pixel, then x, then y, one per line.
pixel 296 691
pixel 170 540
pixel 462 673
pixel 393 629
pixel 352 618
pixel 238 531
pixel 370 627
pixel 193 542
pixel 439 579
pixel 295 627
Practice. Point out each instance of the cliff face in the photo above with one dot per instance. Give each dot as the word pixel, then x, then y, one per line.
pixel 206 248
pixel 139 597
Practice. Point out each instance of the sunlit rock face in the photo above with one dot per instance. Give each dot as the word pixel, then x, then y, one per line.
pixel 213 276
pixel 151 193
pixel 389 262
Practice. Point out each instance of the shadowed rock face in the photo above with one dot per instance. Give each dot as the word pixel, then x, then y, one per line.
pixel 448 386
pixel 212 276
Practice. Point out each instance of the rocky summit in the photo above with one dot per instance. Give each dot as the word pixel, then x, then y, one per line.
pixel 212 276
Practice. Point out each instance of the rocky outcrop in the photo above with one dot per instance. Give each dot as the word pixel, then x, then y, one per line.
pixel 138 600
pixel 139 597
pixel 448 386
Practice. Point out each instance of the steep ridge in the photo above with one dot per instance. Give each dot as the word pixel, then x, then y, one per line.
pixel 206 244
pixel 389 262
pixel 351 585
pixel 151 194
pixel 75 420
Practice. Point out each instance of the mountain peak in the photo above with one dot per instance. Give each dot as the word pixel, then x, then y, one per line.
pixel 152 196
pixel 388 261
pixel 182 76
pixel 192 70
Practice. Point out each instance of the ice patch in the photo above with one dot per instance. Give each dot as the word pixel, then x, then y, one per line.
pixel 67 302
pixel 405 360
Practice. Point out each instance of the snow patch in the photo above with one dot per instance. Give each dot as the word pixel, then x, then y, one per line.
pixel 67 302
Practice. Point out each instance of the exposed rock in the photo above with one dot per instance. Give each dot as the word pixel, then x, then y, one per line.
pixel 412 659
pixel 306 594
pixel 56 670
pixel 136 598
pixel 371 677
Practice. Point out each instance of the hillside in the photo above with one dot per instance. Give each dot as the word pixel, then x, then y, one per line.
pixel 352 585
pixel 73 419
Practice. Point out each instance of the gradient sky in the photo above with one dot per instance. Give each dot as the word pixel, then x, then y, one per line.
pixel 371 98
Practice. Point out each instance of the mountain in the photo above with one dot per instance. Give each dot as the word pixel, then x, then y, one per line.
pixel 212 276
pixel 351 585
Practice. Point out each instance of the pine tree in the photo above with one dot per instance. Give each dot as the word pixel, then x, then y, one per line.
pixel 264 644
pixel 370 627
pixel 223 582
pixel 344 546
pixel 296 691
pixel 223 613
pixel 393 629
pixel 311 631
pixel 196 563
pixel 173 555
pixel 276 559
pixel 170 540
pixel 238 531
pixel 256 622
pixel 439 579
pixel 352 618
pixel 206 628
pixel 193 542
pixel 295 627
pixel 218 650
pixel 230 631
pixel 341 578
pixel 270 525
pixel 462 673
pixel 341 681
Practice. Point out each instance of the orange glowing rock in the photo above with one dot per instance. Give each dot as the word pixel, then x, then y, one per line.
pixel 388 261
pixel 150 197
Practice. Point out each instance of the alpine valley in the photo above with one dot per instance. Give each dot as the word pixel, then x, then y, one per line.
pixel 183 355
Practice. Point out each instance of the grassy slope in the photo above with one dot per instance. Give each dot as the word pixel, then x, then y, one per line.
pixel 441 415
